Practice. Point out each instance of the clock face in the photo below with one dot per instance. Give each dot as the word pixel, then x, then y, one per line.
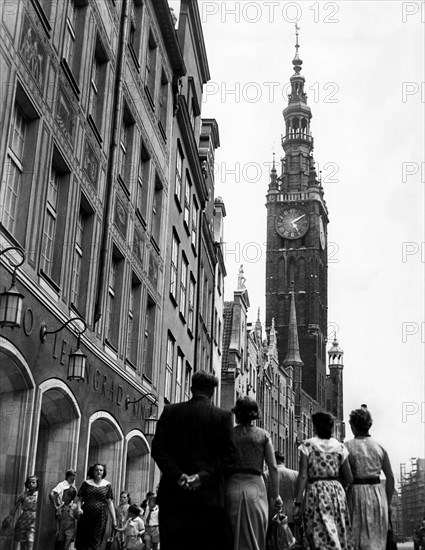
pixel 292 223
pixel 322 234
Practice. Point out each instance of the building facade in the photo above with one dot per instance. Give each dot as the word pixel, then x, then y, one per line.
pixel 98 99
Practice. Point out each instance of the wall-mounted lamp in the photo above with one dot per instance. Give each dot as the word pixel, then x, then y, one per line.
pixel 151 420
pixel 11 300
pixel 77 359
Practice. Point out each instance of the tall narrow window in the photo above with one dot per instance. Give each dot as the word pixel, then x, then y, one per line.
pixel 187 381
pixel 55 219
pixel 50 219
pixel 115 283
pixel 149 339
pixel 98 86
pixel 70 34
pixel 74 39
pixel 133 321
pixel 187 195
pixel 179 173
pixel 125 146
pixel 191 304
pixel 183 286
pixel 174 265
pixel 163 106
pixel 78 260
pixel 179 377
pixel 157 211
pixel 143 182
pixel 14 168
pixel 135 31
pixel 82 262
pixel 169 368
pixel 150 69
pixel 194 233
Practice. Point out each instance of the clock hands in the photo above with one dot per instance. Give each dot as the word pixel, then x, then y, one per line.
pixel 299 217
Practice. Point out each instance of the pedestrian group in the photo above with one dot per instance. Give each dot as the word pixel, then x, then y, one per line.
pixel 224 487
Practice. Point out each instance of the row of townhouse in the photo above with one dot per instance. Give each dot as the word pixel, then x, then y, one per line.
pixel 107 216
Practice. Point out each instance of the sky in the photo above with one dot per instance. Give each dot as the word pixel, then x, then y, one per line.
pixel 364 69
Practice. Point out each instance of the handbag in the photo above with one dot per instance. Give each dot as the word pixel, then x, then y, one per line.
pixel 280 537
pixel 113 542
pixel 391 543
pixel 6 529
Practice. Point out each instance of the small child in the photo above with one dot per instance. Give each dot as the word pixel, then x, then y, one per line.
pixel 121 513
pixel 66 520
pixel 133 528
pixel 151 523
pixel 25 526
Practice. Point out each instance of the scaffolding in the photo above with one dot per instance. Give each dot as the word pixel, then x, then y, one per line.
pixel 412 495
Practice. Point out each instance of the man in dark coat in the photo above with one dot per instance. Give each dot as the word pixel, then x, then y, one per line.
pixel 193 447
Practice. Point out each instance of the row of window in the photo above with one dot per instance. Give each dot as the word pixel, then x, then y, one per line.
pixel 178 373
pixel 16 184
pixel 155 82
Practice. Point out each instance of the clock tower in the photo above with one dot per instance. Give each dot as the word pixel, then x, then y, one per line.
pixel 297 220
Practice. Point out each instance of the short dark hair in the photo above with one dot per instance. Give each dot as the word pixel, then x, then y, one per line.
pixel 90 472
pixel 134 509
pixel 361 419
pixel 27 481
pixel 70 472
pixel 246 410
pixel 280 457
pixel 71 492
pixel 204 382
pixel 324 424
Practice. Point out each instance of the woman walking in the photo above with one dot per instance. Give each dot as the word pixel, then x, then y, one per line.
pixel 323 461
pixel 246 496
pixel 94 501
pixel 368 499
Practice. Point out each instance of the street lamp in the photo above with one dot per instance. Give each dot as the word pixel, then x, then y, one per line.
pixel 77 359
pixel 11 300
pixel 151 420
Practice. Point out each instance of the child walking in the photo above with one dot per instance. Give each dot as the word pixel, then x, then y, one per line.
pixel 66 520
pixel 134 528
pixel 121 513
pixel 151 523
pixel 25 526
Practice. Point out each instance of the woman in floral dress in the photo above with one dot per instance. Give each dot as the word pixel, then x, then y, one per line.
pixel 94 500
pixel 323 461
pixel 25 526
pixel 368 499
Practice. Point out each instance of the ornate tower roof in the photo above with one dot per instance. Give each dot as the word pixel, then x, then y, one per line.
pixel 293 357
pixel 298 168
pixel 336 354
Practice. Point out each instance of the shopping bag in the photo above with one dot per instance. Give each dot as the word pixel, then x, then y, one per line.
pixel 391 543
pixel 113 542
pixel 6 529
pixel 280 537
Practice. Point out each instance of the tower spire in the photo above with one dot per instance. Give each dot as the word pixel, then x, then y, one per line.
pixel 297 62
pixel 293 358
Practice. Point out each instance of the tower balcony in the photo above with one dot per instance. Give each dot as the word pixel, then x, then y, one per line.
pixel 297 136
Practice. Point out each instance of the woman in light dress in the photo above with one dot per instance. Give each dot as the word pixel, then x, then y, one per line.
pixel 246 495
pixel 368 498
